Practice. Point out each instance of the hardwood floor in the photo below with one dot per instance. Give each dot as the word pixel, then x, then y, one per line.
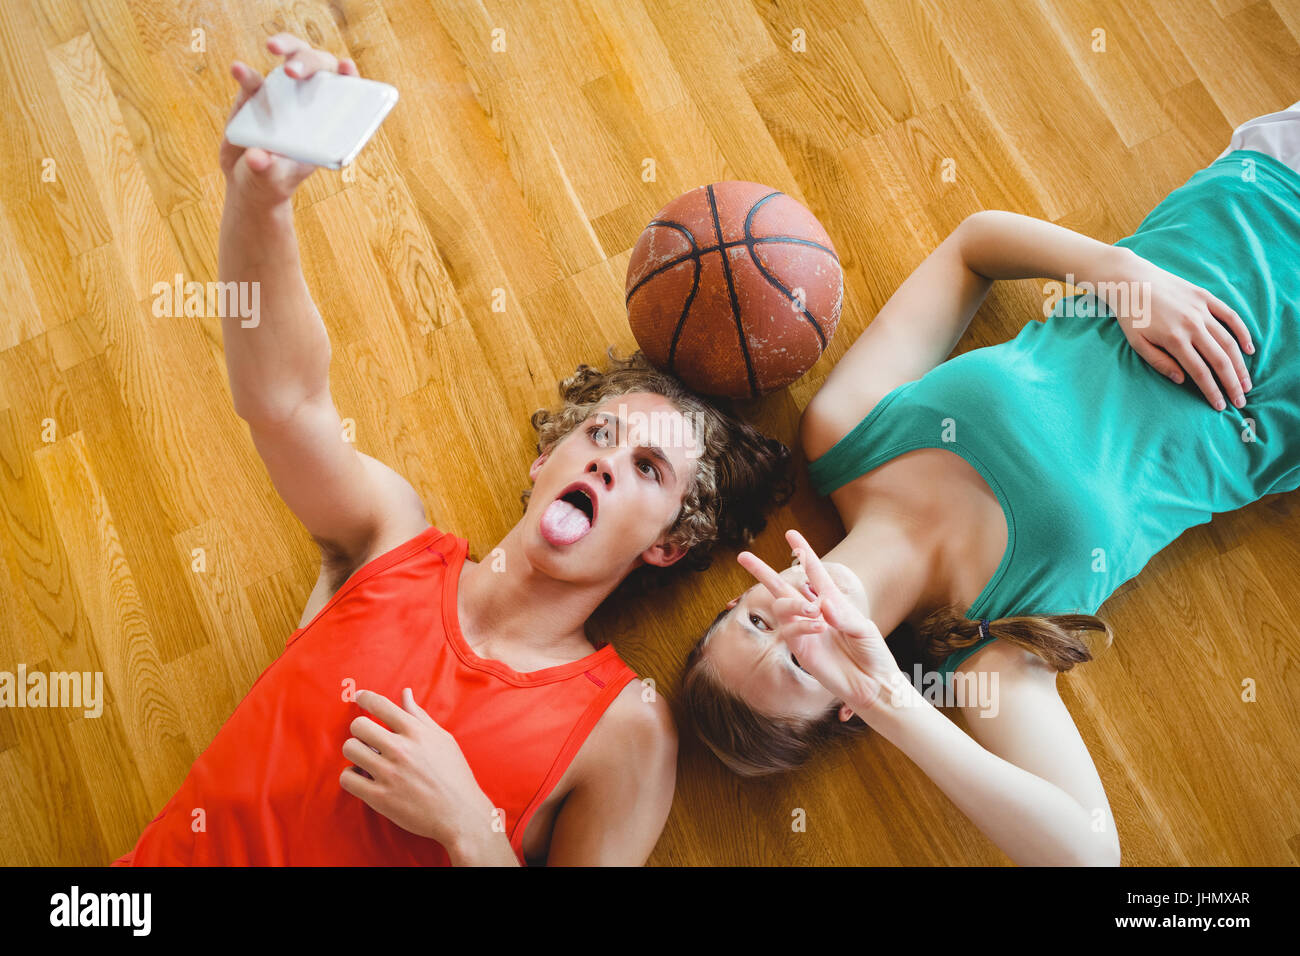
pixel 140 536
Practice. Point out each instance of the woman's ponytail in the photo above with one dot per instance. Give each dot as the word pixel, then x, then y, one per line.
pixel 1059 639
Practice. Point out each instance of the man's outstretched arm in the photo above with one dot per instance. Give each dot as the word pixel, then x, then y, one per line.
pixel 278 361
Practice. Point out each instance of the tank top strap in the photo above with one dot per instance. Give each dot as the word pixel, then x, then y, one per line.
pixel 604 681
pixel 611 669
pixel 894 426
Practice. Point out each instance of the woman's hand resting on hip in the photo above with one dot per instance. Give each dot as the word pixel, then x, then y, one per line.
pixel 1180 328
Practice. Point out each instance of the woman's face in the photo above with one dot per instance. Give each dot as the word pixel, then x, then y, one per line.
pixel 755 664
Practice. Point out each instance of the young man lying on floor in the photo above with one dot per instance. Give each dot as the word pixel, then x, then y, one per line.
pixel 485 727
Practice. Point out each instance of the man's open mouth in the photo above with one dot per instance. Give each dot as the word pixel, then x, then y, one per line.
pixel 581 500
pixel 570 516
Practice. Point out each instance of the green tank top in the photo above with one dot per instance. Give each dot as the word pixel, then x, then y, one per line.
pixel 1097 459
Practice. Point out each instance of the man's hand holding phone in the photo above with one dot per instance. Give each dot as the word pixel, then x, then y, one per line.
pixel 257 175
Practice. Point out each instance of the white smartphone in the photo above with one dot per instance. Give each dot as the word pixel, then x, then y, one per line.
pixel 323 120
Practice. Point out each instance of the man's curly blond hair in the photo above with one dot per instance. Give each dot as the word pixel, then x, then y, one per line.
pixel 739 474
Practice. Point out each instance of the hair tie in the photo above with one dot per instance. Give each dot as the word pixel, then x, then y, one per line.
pixel 984 628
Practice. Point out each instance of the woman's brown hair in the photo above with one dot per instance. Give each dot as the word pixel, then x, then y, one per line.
pixel 740 473
pixel 1057 638
pixel 752 743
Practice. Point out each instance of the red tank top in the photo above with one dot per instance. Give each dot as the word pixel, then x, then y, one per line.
pixel 268 784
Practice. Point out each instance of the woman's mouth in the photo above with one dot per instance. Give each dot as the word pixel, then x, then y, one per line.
pixel 569 517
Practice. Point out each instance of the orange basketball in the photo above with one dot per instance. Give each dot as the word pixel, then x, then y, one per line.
pixel 734 288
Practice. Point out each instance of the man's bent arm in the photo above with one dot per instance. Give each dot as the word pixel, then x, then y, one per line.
pixel 616 813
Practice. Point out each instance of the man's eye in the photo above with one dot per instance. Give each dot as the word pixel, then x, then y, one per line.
pixel 653 470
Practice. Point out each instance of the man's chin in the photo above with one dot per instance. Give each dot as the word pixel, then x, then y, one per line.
pixel 561 560
pixel 587 562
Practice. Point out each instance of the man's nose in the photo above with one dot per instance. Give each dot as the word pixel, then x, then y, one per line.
pixel 603 469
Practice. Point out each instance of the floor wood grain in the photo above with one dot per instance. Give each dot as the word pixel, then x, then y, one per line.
pixel 141 538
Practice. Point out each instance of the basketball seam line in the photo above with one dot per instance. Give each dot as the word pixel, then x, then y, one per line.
pixel 686 309
pixel 697 253
pixel 749 221
pixel 735 302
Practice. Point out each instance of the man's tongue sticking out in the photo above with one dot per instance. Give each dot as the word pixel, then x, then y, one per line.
pixel 562 523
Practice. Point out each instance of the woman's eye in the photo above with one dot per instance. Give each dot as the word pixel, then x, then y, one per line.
pixel 757 621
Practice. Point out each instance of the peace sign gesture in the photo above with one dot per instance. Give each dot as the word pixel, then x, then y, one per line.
pixel 829 636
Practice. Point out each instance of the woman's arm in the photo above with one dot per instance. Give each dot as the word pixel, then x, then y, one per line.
pixel 912 333
pixel 1174 325
pixel 1171 323
pixel 1040 801
pixel 926 317
pixel 1007 245
pixel 1034 791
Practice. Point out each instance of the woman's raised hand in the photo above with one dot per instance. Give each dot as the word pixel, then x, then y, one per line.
pixel 829 636
pixel 259 175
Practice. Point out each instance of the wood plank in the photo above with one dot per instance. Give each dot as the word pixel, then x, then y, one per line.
pixel 475 255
